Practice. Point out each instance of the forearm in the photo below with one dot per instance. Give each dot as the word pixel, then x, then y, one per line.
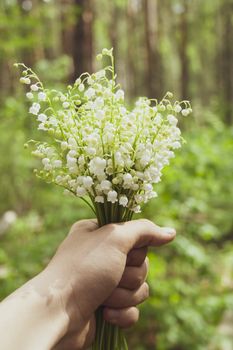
pixel 33 317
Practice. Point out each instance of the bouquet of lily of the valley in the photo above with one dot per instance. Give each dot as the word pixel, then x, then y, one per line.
pixel 102 152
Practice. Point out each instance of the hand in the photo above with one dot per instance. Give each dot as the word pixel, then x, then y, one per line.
pixel 109 269
pixel 92 267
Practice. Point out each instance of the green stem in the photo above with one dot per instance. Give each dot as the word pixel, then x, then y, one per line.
pixel 108 336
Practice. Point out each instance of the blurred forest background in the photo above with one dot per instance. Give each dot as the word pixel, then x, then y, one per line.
pixel 184 46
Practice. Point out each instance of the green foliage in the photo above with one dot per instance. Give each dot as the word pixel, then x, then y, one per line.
pixel 190 279
pixel 188 284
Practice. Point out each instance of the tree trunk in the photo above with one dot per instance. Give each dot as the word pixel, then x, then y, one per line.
pixel 131 52
pixel 226 62
pixel 83 38
pixel 153 74
pixel 183 52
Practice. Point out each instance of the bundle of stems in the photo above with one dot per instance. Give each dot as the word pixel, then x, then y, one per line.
pixel 108 336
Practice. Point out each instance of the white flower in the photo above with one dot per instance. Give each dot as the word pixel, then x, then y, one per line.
pixel 112 196
pixel 90 151
pixel 123 201
pixel 24 80
pixel 151 195
pixel 145 158
pixel 72 153
pixel 62 98
pixel 41 126
pixel 65 104
pixel 176 145
pixel 48 167
pixel 97 147
pixel 45 161
pixel 71 161
pixel 34 109
pixel 73 184
pixel 59 179
pixel 100 114
pixel 172 120
pixel 81 160
pixel 73 169
pixel 81 191
pixel 72 142
pixel 128 180
pixel 135 187
pixel 64 145
pixel 78 81
pixel 53 121
pixel 87 181
pixel 90 81
pixel 99 102
pixel 34 87
pixel 185 112
pixel 41 96
pixel 116 180
pixel 178 108
pixel 119 94
pixel 137 209
pixel 99 199
pixel 90 93
pixel 81 87
pixel 105 185
pixel 29 95
pixel 57 163
pixel 42 118
pixel 139 198
pixel 97 166
pixel 123 110
pixel 147 187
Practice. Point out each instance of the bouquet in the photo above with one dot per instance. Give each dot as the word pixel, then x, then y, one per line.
pixel 102 152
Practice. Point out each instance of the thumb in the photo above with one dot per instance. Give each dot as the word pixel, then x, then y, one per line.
pixel 140 233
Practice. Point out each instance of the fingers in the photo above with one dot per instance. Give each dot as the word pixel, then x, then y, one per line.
pixel 139 233
pixel 136 256
pixel 78 339
pixel 122 298
pixel 123 318
pixel 133 277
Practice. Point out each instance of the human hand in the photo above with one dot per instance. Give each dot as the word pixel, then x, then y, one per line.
pixel 93 267
pixel 109 268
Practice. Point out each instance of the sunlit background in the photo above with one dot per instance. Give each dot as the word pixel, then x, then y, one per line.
pixel 184 46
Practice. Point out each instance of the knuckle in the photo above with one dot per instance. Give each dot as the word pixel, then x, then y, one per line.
pixel 75 226
pixel 142 294
pixel 132 318
pixel 112 232
pixel 146 222
pixel 145 292
pixel 137 281
pixel 83 224
pixel 111 227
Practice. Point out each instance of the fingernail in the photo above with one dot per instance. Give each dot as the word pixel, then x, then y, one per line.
pixel 169 230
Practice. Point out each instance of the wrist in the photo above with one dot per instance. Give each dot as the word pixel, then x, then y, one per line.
pixel 36 315
pixel 63 284
pixel 35 310
pixel 48 300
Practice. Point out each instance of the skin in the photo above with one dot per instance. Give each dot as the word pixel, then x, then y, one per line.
pixel 93 266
